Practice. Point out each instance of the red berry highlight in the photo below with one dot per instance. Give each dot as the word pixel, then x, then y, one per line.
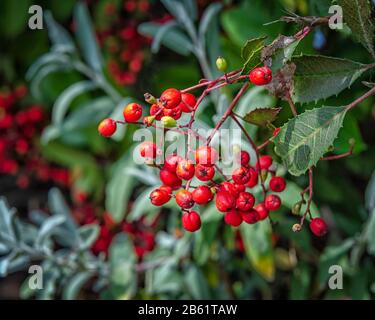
pixel 260 76
pixel 202 194
pixel 170 98
pixel 191 221
pixel 272 202
pixel 184 199
pixel 107 127
pixel 318 227
pixel 132 112
pixel 277 184
pixel 233 218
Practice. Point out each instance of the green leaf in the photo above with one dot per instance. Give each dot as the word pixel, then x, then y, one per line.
pixel 63 102
pixel 142 205
pixel 75 284
pixel 371 234
pixel 161 33
pixel 258 248
pixel 196 283
pixel 86 37
pixel 319 77
pixel 208 16
pixel 48 228
pixel 87 235
pixel 262 116
pixel 303 140
pixel 119 188
pixel 357 15
pixel 251 53
pixel 174 39
pixel 370 194
pixel 58 35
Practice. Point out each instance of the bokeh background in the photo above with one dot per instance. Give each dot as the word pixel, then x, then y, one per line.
pixel 49 110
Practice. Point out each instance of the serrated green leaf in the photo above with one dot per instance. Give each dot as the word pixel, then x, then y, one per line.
pixel 303 140
pixel 357 15
pixel 258 247
pixel 319 77
pixel 251 53
pixel 262 116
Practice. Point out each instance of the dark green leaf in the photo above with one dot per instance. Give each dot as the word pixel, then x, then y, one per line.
pixel 319 77
pixel 251 53
pixel 262 116
pixel 303 140
pixel 357 15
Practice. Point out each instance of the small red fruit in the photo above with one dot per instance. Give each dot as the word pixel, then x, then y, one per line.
pixel 253 181
pixel 191 221
pixel 277 184
pixel 204 173
pixel 171 162
pixel 239 188
pixel 260 76
pixel 159 197
pixel 107 127
pixel 170 179
pixel 262 211
pixel 202 194
pixel 230 188
pixel 175 113
pixel 148 149
pixel 244 158
pixel 233 218
pixel 157 111
pixel 167 189
pixel 187 102
pixel 184 199
pixel 264 162
pixel 272 202
pixel 318 227
pixel 241 175
pixel 132 112
pixel 225 201
pixel 206 156
pixel 185 169
pixel 245 201
pixel 250 217
pixel 170 98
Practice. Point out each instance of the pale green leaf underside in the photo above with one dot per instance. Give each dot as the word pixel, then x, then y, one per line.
pixel 357 15
pixel 303 140
pixel 319 77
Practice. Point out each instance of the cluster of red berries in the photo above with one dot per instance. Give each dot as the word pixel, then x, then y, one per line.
pixel 19 156
pixel 141 233
pixel 125 48
pixel 233 198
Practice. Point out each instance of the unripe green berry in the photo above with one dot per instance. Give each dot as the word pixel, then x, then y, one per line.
pixel 296 209
pixel 221 64
pixel 168 122
pixel 149 98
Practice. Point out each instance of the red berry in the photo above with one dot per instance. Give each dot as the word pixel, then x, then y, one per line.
pixel 167 189
pixel 107 127
pixel 156 111
pixel 159 197
pixel 202 194
pixel 233 218
pixel 277 184
pixel 175 113
pixel 230 188
pixel 206 156
pixel 245 201
pixel 253 181
pixel 184 199
pixel 185 169
pixel 204 173
pixel 241 175
pixel 250 217
pixel 272 202
pixel 239 188
pixel 244 158
pixel 132 112
pixel 225 201
pixel 170 179
pixel 264 162
pixel 148 149
pixel 318 227
pixel 170 98
pixel 191 221
pixel 171 162
pixel 187 102
pixel 260 76
pixel 262 211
